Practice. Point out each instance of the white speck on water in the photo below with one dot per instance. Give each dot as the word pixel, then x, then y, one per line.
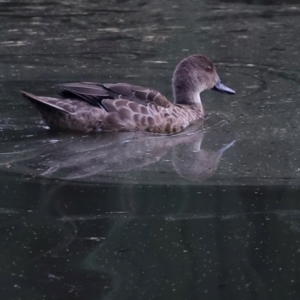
pixel 156 61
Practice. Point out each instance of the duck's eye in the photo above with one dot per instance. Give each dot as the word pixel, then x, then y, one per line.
pixel 208 68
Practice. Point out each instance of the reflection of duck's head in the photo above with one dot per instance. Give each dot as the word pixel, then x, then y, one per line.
pixel 196 164
pixel 192 76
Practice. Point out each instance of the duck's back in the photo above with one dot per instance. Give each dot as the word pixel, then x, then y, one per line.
pixel 111 107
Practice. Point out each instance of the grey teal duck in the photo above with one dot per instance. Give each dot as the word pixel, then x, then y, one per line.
pixel 104 107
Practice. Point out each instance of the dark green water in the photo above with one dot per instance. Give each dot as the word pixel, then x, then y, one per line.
pixel 213 213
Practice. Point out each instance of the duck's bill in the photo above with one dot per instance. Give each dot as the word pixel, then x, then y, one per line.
pixel 220 87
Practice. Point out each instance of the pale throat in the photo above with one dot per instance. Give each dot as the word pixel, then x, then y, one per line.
pixel 190 97
pixel 197 98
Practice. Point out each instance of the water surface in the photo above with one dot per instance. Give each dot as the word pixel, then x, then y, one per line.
pixel 211 213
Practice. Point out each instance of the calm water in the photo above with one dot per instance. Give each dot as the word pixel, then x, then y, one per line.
pixel 211 213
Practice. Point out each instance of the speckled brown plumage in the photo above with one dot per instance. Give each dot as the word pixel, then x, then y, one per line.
pixel 88 106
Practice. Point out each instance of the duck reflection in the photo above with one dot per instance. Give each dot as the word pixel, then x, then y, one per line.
pixel 194 163
pixel 104 155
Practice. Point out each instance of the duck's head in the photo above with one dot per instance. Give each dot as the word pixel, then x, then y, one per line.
pixel 192 76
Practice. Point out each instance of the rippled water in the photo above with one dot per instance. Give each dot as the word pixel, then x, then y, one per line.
pixel 210 213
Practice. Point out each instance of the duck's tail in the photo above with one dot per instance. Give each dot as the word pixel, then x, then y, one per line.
pixel 42 103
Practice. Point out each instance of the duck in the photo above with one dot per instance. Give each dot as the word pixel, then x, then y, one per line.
pixel 110 107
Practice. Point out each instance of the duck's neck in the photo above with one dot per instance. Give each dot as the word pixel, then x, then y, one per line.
pixel 187 97
pixel 190 97
pixel 186 88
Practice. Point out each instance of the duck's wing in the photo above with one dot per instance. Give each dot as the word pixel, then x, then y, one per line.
pixel 95 93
